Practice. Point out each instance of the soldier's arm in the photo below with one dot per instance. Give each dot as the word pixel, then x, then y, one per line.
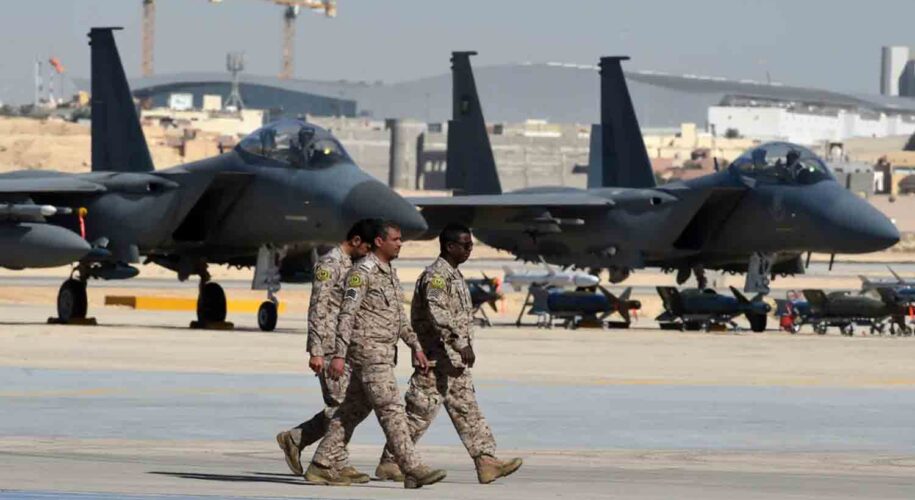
pixel 321 320
pixel 435 290
pixel 406 329
pixel 354 294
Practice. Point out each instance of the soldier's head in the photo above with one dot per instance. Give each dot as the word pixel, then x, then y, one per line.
pixel 386 239
pixel 359 238
pixel 455 243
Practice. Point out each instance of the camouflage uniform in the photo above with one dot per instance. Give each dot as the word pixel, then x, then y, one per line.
pixel 326 297
pixel 442 316
pixel 371 320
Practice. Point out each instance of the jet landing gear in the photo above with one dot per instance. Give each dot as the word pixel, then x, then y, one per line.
pixel 211 300
pixel 267 314
pixel 267 277
pixel 72 304
pixel 211 305
pixel 73 301
pixel 758 273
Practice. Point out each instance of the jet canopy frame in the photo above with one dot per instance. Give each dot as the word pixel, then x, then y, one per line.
pixel 293 143
pixel 782 163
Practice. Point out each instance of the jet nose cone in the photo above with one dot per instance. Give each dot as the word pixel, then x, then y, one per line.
pixel 373 199
pixel 861 227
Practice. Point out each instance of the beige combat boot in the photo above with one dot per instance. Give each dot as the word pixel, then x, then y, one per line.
pixel 422 476
pixel 290 451
pixel 388 471
pixel 491 468
pixel 353 474
pixel 318 474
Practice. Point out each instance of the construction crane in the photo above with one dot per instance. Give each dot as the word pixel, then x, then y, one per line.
pixel 290 13
pixel 149 34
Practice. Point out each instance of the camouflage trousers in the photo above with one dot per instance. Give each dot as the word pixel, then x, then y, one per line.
pixel 452 387
pixel 371 387
pixel 312 430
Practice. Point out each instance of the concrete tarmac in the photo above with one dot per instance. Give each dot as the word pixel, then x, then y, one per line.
pixel 159 411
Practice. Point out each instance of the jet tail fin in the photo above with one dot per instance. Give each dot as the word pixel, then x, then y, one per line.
pixel 624 159
pixel 595 165
pixel 118 144
pixel 471 167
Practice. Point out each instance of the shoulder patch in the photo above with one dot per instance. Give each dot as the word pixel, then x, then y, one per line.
pixel 437 282
pixel 355 280
pixel 322 274
pixel 350 294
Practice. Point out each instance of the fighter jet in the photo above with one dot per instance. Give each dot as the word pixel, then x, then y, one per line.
pixel 757 216
pixel 285 189
pixel 694 309
pixel 549 277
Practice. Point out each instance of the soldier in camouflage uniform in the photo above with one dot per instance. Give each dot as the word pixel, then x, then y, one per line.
pixel 442 316
pixel 326 297
pixel 371 320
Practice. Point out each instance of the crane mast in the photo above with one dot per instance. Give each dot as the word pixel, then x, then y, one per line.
pixel 290 14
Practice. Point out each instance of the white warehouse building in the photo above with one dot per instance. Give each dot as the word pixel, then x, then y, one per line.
pixel 806 126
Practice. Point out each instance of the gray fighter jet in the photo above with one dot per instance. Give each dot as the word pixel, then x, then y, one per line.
pixel 285 189
pixel 757 216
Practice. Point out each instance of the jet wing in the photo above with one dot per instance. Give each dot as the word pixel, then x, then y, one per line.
pixel 538 213
pixel 48 185
pixel 512 201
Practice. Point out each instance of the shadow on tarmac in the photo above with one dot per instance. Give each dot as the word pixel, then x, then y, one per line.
pixel 237 329
pixel 251 477
pixel 258 477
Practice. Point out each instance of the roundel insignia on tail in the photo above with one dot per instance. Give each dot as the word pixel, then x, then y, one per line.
pixel 437 282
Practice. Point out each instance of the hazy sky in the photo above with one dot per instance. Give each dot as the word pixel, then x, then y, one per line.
pixel 825 44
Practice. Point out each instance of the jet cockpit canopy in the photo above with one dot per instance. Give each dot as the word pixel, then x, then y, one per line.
pixel 782 163
pixel 296 144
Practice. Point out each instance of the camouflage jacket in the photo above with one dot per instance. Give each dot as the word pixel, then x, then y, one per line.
pixel 442 313
pixel 372 316
pixel 326 297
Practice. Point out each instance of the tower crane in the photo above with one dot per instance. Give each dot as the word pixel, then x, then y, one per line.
pixel 290 13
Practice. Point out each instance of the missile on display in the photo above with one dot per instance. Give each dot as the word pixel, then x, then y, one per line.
pixel 549 277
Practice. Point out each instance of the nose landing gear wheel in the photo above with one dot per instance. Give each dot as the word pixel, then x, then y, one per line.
pixel 267 316
pixel 72 302
pixel 211 304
